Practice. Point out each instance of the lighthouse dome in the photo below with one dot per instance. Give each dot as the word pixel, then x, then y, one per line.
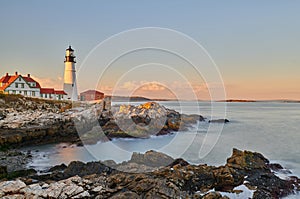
pixel 69 49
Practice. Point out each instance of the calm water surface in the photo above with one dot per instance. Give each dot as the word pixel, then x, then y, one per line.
pixel 269 128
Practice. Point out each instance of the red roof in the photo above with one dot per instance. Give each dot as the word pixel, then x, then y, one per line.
pixel 60 92
pixel 8 79
pixel 47 90
pixel 52 91
pixel 5 79
pixel 29 79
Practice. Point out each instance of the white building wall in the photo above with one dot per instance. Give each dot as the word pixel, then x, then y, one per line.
pixel 70 84
pixel 24 89
pixel 20 86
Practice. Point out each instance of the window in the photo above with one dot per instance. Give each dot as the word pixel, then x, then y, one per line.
pixel 46 95
pixel 22 85
pixel 33 93
pixel 33 84
pixel 59 97
pixel 20 79
pixel 20 92
pixel 17 85
pixel 14 92
pixel 25 92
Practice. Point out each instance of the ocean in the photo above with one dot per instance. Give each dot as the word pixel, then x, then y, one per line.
pixel 270 128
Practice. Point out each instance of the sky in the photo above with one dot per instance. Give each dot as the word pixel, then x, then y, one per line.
pixel 254 45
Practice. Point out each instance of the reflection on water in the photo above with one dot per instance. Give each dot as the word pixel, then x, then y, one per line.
pixel 269 128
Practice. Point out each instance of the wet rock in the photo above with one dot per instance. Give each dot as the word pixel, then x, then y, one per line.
pixel 134 167
pixel 219 121
pixel 227 178
pixel 151 158
pixel 94 135
pixel 179 161
pixel 58 168
pixel 214 195
pixel 13 160
pixel 275 167
pixel 82 169
pixel 263 194
pixel 177 180
pixel 247 160
pixel 257 169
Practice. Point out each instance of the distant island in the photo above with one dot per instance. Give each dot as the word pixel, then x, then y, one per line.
pixel 136 99
pixel 236 100
pixel 128 98
pixel 145 99
pixel 244 100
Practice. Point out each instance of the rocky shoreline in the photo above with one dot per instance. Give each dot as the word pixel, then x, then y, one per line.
pixel 155 175
pixel 25 122
pixel 28 121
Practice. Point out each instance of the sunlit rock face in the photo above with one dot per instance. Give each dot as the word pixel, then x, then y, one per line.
pixel 143 121
pixel 26 121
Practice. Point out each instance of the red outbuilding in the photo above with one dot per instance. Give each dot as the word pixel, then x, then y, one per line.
pixel 91 95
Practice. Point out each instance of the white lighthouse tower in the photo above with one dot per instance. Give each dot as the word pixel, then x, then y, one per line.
pixel 70 85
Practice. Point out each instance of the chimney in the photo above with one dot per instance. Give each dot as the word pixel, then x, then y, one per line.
pixel 6 74
pixel 16 73
pixel 28 75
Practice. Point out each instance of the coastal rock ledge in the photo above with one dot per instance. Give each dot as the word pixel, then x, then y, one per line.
pixel 246 175
pixel 28 121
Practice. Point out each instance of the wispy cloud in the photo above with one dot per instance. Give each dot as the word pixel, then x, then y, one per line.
pixel 175 89
pixel 47 82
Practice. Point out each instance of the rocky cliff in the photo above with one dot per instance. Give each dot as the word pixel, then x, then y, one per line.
pixel 25 121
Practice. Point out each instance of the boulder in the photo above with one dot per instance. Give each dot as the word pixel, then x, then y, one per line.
pixel 227 178
pixel 82 169
pixel 151 158
pixel 258 171
pixel 11 187
pixel 58 168
pixel 247 160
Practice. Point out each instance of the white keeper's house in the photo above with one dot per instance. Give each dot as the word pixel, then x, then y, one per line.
pixel 27 86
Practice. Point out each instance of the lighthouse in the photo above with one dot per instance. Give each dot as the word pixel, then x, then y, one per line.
pixel 70 85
